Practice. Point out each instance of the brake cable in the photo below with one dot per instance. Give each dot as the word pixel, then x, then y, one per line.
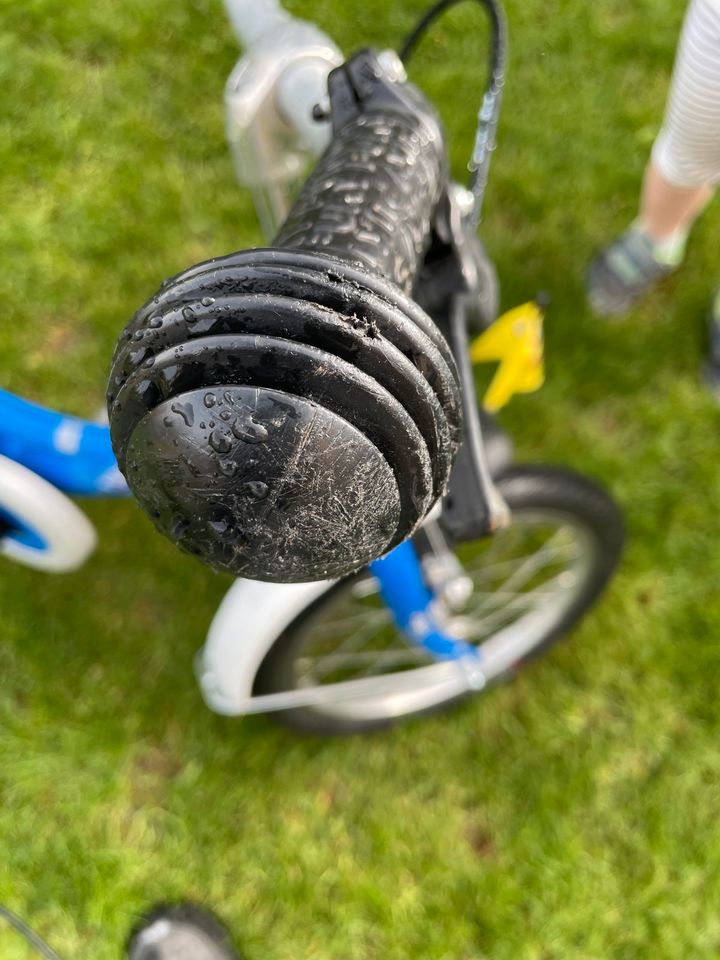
pixel 489 112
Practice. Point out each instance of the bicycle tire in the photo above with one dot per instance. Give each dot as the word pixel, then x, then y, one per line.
pixel 536 495
pixel 40 527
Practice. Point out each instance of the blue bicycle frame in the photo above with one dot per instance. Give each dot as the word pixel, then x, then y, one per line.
pixel 73 454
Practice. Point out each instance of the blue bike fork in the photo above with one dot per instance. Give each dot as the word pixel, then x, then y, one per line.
pixel 413 605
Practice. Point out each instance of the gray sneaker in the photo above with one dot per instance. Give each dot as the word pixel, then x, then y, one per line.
pixel 180 932
pixel 623 273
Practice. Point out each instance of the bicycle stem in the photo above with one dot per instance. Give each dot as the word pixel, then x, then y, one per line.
pixel 269 101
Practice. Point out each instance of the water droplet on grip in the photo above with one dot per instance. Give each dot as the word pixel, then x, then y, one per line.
pixel 184 410
pixel 221 440
pixel 249 431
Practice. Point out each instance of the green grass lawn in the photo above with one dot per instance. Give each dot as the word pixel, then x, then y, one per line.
pixel 572 814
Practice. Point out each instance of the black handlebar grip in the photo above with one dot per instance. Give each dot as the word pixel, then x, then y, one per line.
pixel 372 197
pixel 290 414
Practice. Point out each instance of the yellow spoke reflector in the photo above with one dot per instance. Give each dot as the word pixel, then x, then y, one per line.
pixel 515 341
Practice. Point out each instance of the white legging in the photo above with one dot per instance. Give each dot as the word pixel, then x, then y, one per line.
pixel 687 150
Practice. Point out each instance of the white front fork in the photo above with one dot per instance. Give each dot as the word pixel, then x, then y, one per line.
pixel 248 622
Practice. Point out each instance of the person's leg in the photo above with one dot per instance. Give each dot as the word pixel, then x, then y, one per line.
pixel 667 210
pixel 678 180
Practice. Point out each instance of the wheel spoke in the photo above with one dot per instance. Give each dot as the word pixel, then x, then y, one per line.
pixel 365 616
pixel 520 602
pixel 368 662
pixel 532 564
pixel 490 600
pixel 500 568
pixel 495 609
pixel 348 646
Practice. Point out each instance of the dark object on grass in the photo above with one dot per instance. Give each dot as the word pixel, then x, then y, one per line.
pixel 180 932
pixel 711 369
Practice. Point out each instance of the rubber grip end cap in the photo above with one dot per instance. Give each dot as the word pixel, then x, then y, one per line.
pixel 263 484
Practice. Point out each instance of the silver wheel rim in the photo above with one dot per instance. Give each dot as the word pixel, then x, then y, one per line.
pixel 524 580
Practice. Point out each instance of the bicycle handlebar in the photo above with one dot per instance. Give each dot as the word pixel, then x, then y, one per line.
pixel 291 414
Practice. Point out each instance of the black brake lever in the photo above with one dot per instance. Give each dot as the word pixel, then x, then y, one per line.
pixel 472 507
pixel 450 288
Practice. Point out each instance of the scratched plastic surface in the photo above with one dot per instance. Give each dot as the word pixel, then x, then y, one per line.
pixel 223 490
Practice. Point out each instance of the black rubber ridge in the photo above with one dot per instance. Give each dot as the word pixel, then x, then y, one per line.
pixel 362 357
pixel 293 368
pixel 352 340
pixel 327 281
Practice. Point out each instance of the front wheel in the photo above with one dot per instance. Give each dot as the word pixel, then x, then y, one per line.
pixel 525 587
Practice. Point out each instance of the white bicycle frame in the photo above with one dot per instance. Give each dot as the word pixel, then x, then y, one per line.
pixel 63 537
pixel 250 618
